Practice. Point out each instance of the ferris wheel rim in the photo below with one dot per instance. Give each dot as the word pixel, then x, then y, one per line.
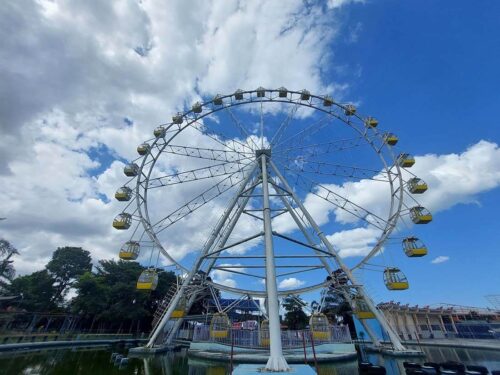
pixel 142 203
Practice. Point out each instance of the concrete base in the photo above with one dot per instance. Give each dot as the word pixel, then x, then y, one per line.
pixel 246 369
pixel 143 351
pixel 324 353
pixel 396 353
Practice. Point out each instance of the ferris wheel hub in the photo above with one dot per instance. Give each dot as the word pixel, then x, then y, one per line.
pixel 263 151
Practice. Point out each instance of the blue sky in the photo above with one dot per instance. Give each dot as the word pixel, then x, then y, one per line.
pixel 427 70
pixel 431 69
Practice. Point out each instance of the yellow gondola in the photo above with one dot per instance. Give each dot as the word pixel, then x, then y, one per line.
pixel 413 247
pixel 394 279
pixel 130 250
pixel 180 309
pixel 361 309
pixel 371 122
pixel 159 132
pixel 349 110
pixel 282 92
pixel 327 101
pixel 131 170
pixel 123 194
pixel 178 118
pixel 416 185
pixel 219 326
pixel 122 221
pixel 391 139
pixel 264 333
pixel 197 108
pixel 406 160
pixel 420 215
pixel 305 95
pixel 148 280
pixel 261 92
pixel 320 327
pixel 143 149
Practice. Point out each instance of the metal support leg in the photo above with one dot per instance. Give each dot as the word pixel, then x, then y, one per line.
pixel 378 315
pixel 175 300
pixel 276 361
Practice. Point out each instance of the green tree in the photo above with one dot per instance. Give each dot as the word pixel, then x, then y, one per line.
pixel 66 265
pixel 37 291
pixel 295 317
pixel 110 297
pixel 7 271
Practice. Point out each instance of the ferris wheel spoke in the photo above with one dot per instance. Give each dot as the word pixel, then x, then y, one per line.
pixel 340 202
pixel 284 125
pixel 199 201
pixel 241 128
pixel 318 149
pixel 216 170
pixel 299 137
pixel 232 144
pixel 208 153
pixel 323 168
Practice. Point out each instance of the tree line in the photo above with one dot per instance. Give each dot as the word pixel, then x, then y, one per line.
pixel 103 295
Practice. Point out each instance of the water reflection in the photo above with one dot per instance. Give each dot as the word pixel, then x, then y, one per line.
pixel 96 361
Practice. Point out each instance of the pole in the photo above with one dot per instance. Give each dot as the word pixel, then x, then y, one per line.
pixel 378 315
pixel 276 361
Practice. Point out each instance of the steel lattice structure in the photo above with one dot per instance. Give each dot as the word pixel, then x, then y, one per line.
pixel 265 169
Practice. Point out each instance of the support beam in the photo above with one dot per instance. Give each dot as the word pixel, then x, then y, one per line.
pixel 276 361
pixel 181 291
pixel 378 315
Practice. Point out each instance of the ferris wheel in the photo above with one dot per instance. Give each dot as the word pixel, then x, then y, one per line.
pixel 248 191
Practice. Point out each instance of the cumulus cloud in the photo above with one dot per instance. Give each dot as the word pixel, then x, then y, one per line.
pixel 290 283
pixel 80 92
pixel 340 3
pixel 456 178
pixel 440 259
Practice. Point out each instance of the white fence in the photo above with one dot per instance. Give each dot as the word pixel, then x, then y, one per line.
pixel 257 339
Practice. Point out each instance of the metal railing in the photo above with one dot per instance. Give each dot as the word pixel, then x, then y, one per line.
pixel 290 339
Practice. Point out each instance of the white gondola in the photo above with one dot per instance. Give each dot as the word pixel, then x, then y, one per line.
pixel 261 92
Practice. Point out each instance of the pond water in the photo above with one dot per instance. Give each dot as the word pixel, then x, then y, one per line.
pixel 96 361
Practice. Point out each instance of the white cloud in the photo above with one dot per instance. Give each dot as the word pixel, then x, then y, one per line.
pixel 340 3
pixel 290 283
pixel 452 179
pixel 69 83
pixel 440 259
pixel 225 277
